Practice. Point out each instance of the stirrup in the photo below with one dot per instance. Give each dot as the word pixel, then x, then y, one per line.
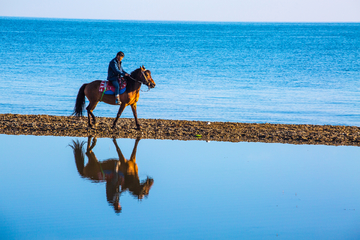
pixel 117 101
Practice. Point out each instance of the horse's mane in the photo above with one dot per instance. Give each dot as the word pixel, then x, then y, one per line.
pixel 130 84
pixel 135 72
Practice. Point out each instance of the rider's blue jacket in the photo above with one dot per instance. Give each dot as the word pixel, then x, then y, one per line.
pixel 115 70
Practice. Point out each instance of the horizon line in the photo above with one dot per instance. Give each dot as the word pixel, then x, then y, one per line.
pixel 183 21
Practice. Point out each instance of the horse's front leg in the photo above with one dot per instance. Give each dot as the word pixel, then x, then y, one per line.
pixel 121 109
pixel 122 159
pixel 133 107
pixel 133 154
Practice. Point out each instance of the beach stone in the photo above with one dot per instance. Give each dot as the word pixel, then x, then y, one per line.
pixel 47 125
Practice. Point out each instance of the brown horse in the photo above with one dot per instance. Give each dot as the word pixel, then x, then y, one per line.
pixel 129 97
pixel 117 173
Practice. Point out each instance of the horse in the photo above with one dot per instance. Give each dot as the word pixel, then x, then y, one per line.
pixel 116 172
pixel 129 97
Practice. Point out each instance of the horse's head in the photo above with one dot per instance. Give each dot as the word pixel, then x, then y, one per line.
pixel 146 187
pixel 142 190
pixel 146 77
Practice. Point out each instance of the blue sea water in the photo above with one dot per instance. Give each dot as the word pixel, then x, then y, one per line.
pixel 238 72
pixel 201 190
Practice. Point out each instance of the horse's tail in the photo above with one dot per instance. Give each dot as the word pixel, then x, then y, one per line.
pixel 80 102
pixel 77 147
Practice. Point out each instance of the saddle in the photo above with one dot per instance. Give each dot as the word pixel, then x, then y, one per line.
pixel 109 175
pixel 106 87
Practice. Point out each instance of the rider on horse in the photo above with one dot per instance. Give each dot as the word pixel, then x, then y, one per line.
pixel 116 71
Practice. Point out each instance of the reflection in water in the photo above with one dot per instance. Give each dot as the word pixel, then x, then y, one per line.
pixel 117 173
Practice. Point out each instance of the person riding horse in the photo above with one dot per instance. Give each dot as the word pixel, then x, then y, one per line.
pixel 129 98
pixel 115 71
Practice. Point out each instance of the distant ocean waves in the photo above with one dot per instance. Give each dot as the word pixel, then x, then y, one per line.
pixel 237 72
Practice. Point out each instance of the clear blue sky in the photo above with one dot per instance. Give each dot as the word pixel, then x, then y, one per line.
pixel 189 10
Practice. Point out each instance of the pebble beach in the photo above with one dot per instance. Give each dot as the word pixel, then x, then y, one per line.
pixel 47 125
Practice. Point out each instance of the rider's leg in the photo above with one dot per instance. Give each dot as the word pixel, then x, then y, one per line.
pixel 117 91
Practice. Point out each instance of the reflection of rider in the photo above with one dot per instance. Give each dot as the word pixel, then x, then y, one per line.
pixel 115 71
pixel 114 179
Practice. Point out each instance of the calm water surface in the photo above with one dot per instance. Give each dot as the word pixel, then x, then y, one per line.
pixel 201 190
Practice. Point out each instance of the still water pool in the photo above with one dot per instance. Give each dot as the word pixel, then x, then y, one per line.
pixel 199 190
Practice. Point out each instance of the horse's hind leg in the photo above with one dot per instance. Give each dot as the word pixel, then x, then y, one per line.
pixel 89 118
pixel 90 145
pixel 90 109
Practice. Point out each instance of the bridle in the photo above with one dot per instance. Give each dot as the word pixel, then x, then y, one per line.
pixel 146 79
pixel 140 81
pixel 143 73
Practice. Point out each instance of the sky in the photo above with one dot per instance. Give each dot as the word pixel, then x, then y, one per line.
pixel 188 10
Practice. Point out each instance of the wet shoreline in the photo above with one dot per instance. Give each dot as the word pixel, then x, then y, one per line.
pixel 46 125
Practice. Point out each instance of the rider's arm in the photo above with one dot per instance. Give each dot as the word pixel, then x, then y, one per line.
pixel 123 71
pixel 116 69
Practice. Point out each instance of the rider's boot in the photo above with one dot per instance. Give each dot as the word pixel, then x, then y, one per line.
pixel 117 100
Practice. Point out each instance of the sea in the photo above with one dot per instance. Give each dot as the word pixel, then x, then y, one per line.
pixel 292 73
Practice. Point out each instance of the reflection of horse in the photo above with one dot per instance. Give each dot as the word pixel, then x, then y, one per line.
pixel 130 97
pixel 116 172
